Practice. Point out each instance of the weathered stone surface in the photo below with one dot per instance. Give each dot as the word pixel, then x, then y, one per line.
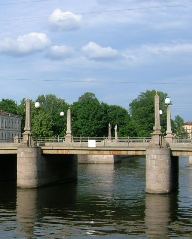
pixel 158 170
pixel 98 159
pixel 34 169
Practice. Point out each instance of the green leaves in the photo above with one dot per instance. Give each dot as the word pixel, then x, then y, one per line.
pixel 8 105
pixel 90 117
pixel 178 127
pixel 42 126
pixel 142 113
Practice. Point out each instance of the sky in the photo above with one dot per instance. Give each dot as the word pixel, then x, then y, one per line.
pixel 116 49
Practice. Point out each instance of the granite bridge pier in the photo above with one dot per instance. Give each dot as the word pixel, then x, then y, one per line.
pixel 35 163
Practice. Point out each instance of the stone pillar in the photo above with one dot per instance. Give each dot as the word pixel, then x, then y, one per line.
pixel 158 160
pixel 158 170
pixel 169 134
pixel 68 136
pixel 109 132
pixel 35 170
pixel 28 167
pixel 27 138
pixel 157 126
pixel 190 160
pixel 116 136
pixel 157 135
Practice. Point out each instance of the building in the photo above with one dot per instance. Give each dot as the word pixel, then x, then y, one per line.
pixel 10 126
pixel 188 128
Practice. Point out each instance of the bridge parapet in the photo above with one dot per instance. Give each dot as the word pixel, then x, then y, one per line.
pixel 97 142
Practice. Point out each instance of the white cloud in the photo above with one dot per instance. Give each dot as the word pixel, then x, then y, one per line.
pixel 60 52
pixel 96 52
pixel 167 49
pixel 65 20
pixel 149 53
pixel 25 44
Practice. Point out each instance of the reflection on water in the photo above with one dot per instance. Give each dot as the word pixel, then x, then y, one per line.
pixel 26 211
pixel 108 201
pixel 158 211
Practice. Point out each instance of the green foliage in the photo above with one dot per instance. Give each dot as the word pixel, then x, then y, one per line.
pixel 52 106
pixel 178 127
pixel 88 117
pixel 42 126
pixel 142 113
pixel 119 116
pixel 91 118
pixel 8 105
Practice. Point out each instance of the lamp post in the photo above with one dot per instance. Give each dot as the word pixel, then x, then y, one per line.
pixel 169 134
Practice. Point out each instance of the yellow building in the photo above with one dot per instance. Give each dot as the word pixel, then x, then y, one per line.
pixel 188 128
pixel 10 126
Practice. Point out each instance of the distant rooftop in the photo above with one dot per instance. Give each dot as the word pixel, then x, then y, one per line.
pixel 3 113
pixel 188 123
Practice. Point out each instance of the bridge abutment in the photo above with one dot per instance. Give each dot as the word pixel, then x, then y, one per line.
pixel 158 170
pixel 98 159
pixel 161 170
pixel 190 160
pixel 35 170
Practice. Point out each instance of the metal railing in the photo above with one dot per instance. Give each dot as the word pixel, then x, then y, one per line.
pixel 97 141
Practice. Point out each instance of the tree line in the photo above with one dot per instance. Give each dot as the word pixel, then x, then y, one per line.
pixel 90 117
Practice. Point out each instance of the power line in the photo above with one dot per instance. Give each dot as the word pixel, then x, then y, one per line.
pixel 112 11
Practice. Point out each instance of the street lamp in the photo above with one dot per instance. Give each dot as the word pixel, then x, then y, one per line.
pixel 37 105
pixel 62 114
pixel 169 135
pixel 167 101
pixel 68 136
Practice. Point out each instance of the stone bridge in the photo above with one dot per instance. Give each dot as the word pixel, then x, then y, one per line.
pixel 43 161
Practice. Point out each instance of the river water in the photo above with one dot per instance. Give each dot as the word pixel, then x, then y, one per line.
pixel 109 201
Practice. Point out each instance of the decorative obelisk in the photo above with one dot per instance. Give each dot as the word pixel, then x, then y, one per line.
pixel 27 138
pixel 116 135
pixel 157 135
pixel 109 132
pixel 68 136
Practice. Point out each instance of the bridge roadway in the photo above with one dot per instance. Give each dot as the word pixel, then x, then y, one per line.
pixel 128 146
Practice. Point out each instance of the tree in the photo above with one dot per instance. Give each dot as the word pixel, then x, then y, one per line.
pixel 142 113
pixel 42 126
pixel 178 128
pixel 117 115
pixel 52 106
pixel 8 105
pixel 88 116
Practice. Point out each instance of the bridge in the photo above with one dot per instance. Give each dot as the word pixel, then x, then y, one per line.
pixel 43 161
pixel 129 146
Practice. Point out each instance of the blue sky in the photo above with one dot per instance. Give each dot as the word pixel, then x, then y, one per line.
pixel 115 49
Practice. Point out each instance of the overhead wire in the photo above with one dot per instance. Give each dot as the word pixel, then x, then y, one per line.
pixel 98 12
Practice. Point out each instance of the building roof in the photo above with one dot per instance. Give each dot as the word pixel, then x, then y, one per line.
pixel 188 123
pixel 3 113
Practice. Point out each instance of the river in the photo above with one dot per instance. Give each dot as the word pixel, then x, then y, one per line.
pixel 109 201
